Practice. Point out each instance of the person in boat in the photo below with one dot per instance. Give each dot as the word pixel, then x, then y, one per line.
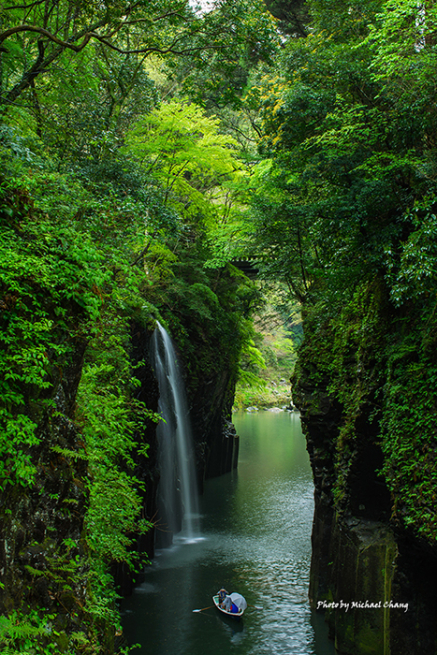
pixel 229 606
pixel 222 595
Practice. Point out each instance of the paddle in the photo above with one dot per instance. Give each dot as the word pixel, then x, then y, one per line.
pixel 257 607
pixel 204 608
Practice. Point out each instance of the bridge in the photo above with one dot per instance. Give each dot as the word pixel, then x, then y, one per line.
pixel 246 266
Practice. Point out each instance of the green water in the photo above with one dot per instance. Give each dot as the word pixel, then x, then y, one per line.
pixel 255 539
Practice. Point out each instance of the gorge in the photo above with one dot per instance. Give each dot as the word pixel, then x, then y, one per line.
pixel 146 148
pixel 242 513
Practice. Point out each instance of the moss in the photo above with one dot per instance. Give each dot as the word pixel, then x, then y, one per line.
pixel 359 585
pixel 367 640
pixel 376 362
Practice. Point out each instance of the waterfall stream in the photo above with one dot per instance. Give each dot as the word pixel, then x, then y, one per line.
pixel 177 492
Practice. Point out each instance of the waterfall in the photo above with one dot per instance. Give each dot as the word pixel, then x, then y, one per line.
pixel 177 491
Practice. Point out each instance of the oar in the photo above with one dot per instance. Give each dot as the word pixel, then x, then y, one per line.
pixel 204 608
pixel 257 607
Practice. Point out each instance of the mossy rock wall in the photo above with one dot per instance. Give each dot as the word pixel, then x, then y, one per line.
pixel 366 562
pixel 358 589
pixel 372 538
pixel 40 519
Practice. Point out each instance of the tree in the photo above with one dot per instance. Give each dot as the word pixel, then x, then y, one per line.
pixel 292 14
pixel 245 35
pixel 181 147
pixel 35 36
pixel 349 124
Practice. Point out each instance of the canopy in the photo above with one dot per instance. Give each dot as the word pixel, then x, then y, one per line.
pixel 239 601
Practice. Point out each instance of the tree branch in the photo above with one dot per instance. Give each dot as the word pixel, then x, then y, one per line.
pixel 30 75
pixel 32 4
pixel 87 36
pixel 40 30
pixel 144 251
pixel 40 65
pixel 162 51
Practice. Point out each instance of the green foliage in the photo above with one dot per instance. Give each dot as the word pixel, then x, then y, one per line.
pixel 268 359
pixel 95 237
pixel 111 422
pixel 235 38
pixel 413 278
pixel 61 288
pixel 38 633
pixel 204 306
pixel 402 39
pixel 292 14
pixel 345 215
pixel 39 43
pixel 49 288
pixel 27 631
pixel 409 429
pixel 181 148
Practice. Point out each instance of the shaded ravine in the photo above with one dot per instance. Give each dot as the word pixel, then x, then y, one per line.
pixel 256 527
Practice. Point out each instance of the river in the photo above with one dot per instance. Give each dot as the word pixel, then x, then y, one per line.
pixel 255 539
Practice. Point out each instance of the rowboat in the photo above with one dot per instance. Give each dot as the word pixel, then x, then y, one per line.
pixel 237 599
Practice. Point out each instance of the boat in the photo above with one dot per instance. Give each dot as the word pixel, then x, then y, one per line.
pixel 237 599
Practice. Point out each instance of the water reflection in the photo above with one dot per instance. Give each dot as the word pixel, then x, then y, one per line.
pixel 256 526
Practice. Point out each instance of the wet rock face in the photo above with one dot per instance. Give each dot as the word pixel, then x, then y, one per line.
pixel 320 416
pixel 359 588
pixel 148 392
pixel 215 439
pixel 222 455
pixel 414 631
pixel 371 579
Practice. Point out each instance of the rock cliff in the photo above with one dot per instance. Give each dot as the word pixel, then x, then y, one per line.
pixel 369 568
pixel 79 473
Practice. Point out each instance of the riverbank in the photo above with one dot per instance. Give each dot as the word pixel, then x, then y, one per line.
pixel 275 393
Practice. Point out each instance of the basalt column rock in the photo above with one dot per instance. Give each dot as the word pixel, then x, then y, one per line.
pixel 353 559
pixel 370 577
pixel 320 416
pixel 214 435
